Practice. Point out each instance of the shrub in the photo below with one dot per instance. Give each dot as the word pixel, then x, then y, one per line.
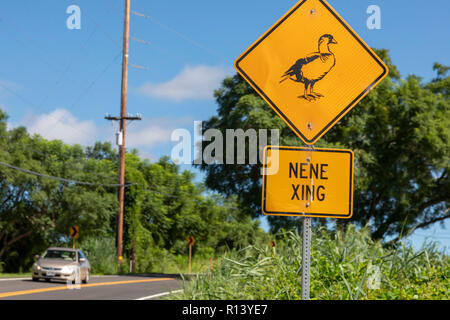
pixel 344 265
pixel 101 253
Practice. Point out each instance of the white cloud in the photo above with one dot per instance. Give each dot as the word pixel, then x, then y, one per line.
pixel 62 125
pixel 193 82
pixel 151 132
pixel 148 136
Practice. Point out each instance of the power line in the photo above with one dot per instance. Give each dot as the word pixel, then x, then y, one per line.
pixel 63 179
pixel 29 102
pixel 60 78
pixel 71 165
pixel 82 47
pixel 99 26
pixel 180 35
pixel 40 55
pixel 80 96
pixel 188 199
pixel 60 120
pixel 106 185
pixel 139 67
pixel 140 40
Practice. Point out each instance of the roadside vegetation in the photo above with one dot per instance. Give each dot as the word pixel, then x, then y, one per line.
pixel 15 275
pixel 344 265
pixel 102 256
pixel 163 206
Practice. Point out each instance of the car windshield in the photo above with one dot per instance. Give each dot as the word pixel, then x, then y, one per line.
pixel 60 254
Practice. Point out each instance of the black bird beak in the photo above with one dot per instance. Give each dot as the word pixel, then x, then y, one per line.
pixel 333 41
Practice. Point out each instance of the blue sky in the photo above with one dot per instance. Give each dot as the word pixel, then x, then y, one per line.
pixel 62 82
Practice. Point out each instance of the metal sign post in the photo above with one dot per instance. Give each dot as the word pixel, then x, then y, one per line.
pixel 190 240
pixel 190 255
pixel 306 255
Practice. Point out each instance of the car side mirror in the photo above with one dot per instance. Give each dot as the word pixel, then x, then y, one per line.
pixel 37 257
pixel 82 260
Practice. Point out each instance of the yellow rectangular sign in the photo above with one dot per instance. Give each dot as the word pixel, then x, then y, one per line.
pixel 311 68
pixel 307 182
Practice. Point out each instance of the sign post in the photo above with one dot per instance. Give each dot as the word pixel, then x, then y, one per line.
pixel 190 240
pixel 307 182
pixel 306 255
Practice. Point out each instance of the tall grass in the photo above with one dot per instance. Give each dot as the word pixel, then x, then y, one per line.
pixel 344 265
pixel 101 253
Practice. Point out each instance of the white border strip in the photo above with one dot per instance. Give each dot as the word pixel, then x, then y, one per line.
pixel 159 295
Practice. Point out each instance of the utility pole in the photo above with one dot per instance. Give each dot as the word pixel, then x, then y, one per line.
pixel 123 111
pixel 121 134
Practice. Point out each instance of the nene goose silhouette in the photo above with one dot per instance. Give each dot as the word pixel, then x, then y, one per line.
pixel 313 68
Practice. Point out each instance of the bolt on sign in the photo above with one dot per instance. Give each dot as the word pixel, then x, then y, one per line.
pixel 74 232
pixel 309 182
pixel 311 68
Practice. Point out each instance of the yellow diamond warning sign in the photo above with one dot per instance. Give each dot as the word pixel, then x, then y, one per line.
pixel 311 68
pixel 307 182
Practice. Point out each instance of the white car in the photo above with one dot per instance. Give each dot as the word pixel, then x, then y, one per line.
pixel 62 264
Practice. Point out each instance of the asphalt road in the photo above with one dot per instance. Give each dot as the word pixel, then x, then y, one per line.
pixel 99 288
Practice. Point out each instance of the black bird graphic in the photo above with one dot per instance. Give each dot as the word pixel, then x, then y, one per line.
pixel 313 67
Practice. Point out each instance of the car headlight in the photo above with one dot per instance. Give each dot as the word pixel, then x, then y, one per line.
pixel 67 269
pixel 36 266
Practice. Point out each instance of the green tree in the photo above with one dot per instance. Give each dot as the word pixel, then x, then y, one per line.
pixel 164 206
pixel 400 136
pixel 36 211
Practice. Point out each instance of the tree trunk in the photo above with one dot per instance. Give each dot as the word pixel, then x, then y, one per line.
pixel 13 240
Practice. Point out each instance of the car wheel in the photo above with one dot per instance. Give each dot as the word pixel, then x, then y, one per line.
pixel 86 277
pixel 35 279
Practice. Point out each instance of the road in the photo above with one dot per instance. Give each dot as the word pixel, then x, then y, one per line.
pixel 99 288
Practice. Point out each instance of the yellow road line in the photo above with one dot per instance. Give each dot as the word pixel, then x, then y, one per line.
pixel 24 292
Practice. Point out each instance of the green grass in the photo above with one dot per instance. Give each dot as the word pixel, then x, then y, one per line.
pixel 15 275
pixel 180 265
pixel 344 265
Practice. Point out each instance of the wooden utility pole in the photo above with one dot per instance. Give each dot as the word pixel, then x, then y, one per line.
pixel 123 114
pixel 121 134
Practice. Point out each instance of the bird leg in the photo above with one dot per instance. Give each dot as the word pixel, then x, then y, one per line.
pixel 314 94
pixel 307 96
